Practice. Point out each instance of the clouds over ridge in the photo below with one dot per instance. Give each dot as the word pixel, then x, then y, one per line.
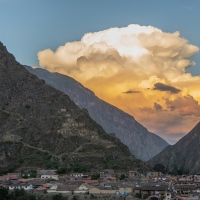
pixel 166 88
pixel 141 60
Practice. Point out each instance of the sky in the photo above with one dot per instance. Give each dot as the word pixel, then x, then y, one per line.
pixel 139 55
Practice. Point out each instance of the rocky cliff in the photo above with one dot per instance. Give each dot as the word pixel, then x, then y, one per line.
pixel 41 126
pixel 142 144
pixel 184 156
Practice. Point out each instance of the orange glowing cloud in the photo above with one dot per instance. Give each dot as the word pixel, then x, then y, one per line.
pixel 140 69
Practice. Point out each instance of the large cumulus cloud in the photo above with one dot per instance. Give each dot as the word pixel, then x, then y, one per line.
pixel 120 61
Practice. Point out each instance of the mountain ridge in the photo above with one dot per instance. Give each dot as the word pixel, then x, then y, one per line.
pixel 182 157
pixel 41 126
pixel 142 143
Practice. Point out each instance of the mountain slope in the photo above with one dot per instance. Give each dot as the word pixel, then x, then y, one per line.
pixel 40 126
pixel 142 144
pixel 182 157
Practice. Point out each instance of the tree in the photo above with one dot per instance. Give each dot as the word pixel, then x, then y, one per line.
pixel 59 197
pixel 3 193
pixel 159 168
pixel 80 168
pixel 122 177
pixel 95 176
pixel 138 195
pixel 62 170
pixel 21 195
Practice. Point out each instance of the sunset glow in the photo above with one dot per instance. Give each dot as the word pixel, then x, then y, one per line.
pixel 139 69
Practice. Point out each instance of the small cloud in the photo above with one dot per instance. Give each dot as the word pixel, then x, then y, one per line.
pixel 157 106
pixel 171 108
pixel 186 106
pixel 132 92
pixel 166 88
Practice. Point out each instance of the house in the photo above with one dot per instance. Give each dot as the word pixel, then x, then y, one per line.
pixel 9 177
pixel 85 176
pixel 76 182
pixel 133 174
pixel 112 189
pixel 66 189
pixel 15 174
pixel 5 183
pixel 23 180
pixel 107 173
pixel 45 172
pixel 37 182
pixel 153 174
pixel 101 190
pixel 83 189
pixel 25 186
pixel 40 190
pixel 197 178
pixel 3 186
pixel 76 175
pixel 137 189
pixel 92 182
pixel 148 189
pixel 70 189
pixel 65 178
pixel 53 188
pixel 48 176
pixel 185 190
pixel 46 185
pixel 185 180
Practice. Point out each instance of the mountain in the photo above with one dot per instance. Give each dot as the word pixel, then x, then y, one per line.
pixel 184 156
pixel 142 144
pixel 41 126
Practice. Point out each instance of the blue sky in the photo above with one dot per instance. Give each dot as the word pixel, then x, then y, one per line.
pixel 29 26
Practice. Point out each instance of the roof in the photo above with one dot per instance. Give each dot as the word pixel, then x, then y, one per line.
pixel 66 187
pixel 49 173
pixel 91 181
pixel 3 186
pixel 178 197
pixel 87 186
pixel 38 182
pixel 154 188
pixel 12 177
pixel 41 188
pixel 106 188
pixel 154 196
pixel 192 187
pixel 112 184
pixel 73 182
pixel 46 172
pixel 46 185
pixel 23 180
pixel 20 184
pixel 64 177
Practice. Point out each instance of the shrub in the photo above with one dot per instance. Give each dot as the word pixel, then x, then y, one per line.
pixel 62 170
pixel 138 195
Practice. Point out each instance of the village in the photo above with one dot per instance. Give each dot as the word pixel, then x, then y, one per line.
pixel 105 184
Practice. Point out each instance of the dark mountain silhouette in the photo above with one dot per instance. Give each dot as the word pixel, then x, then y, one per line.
pixel 142 144
pixel 41 126
pixel 184 156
